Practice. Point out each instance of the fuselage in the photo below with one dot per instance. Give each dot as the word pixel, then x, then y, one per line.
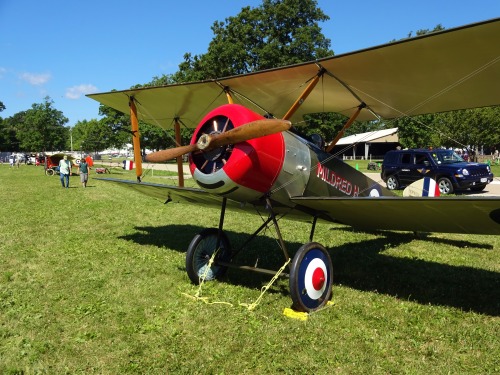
pixel 281 165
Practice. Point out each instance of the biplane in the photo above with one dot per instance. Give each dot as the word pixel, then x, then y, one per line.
pixel 247 154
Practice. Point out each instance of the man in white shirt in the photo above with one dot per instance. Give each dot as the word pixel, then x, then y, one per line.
pixel 65 171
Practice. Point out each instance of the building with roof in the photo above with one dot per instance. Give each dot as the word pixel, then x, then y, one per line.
pixel 370 145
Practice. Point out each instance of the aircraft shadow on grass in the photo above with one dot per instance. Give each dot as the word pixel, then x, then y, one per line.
pixel 361 265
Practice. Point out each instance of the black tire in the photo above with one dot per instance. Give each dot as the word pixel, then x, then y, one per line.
pixel 201 249
pixel 392 183
pixel 445 186
pixel 49 172
pixel 311 277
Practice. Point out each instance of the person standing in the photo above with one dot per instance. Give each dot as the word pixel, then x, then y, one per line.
pixel 84 172
pixel 65 171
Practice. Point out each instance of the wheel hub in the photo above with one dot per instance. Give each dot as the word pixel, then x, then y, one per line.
pixel 318 278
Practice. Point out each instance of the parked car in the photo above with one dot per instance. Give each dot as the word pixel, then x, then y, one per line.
pixel 402 167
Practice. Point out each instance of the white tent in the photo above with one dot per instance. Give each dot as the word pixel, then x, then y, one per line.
pixel 369 138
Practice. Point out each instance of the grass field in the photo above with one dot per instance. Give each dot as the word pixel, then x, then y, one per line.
pixel 92 281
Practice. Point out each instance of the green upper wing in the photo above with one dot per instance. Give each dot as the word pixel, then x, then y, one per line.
pixel 453 69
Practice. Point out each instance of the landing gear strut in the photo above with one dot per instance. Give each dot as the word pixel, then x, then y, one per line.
pixel 310 275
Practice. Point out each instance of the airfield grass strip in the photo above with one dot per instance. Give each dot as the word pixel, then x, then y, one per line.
pixel 92 282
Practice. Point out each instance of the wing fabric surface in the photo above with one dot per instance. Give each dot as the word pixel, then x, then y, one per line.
pixel 168 193
pixel 480 215
pixel 201 198
pixel 453 69
pixel 447 215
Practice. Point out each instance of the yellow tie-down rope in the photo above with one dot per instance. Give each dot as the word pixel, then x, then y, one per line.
pixel 197 295
pixel 264 289
pixel 251 306
pixel 290 313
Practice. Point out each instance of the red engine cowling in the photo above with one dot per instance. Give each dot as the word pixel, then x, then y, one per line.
pixel 244 171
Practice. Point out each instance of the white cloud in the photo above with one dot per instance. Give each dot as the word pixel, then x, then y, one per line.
pixel 76 91
pixel 36 79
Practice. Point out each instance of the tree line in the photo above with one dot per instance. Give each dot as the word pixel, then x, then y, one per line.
pixel 274 34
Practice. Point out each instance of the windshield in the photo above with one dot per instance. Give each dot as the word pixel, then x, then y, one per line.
pixel 446 157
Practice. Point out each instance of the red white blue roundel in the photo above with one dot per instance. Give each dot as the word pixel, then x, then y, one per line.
pixel 375 191
pixel 313 278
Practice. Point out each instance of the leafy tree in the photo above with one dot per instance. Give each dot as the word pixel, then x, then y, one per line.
pixel 156 138
pixel 165 79
pixel 326 124
pixel 79 134
pixel 92 136
pixel 277 33
pixel 3 130
pixel 151 136
pixel 8 134
pixel 475 128
pixel 119 123
pixel 41 128
pixel 468 128
pixel 417 131
pixel 420 32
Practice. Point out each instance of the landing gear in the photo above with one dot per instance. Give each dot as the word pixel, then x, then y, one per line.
pixel 311 277
pixel 200 251
pixel 210 254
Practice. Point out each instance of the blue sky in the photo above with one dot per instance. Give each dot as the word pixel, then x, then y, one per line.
pixel 68 48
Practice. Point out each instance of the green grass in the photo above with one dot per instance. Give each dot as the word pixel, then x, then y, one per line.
pixel 92 281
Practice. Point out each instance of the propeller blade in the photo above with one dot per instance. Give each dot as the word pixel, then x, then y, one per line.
pixel 172 153
pixel 254 129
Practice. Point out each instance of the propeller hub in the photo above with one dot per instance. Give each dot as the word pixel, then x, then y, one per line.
pixel 210 153
pixel 203 141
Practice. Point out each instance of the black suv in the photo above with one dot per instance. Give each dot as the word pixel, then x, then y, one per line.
pixel 452 173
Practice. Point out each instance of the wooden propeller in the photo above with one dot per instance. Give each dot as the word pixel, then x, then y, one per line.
pixel 254 129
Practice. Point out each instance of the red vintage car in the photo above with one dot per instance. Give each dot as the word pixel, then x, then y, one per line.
pixel 52 163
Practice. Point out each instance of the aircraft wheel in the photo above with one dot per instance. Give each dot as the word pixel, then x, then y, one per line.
pixel 49 172
pixel 311 277
pixel 201 249
pixel 392 183
pixel 445 186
